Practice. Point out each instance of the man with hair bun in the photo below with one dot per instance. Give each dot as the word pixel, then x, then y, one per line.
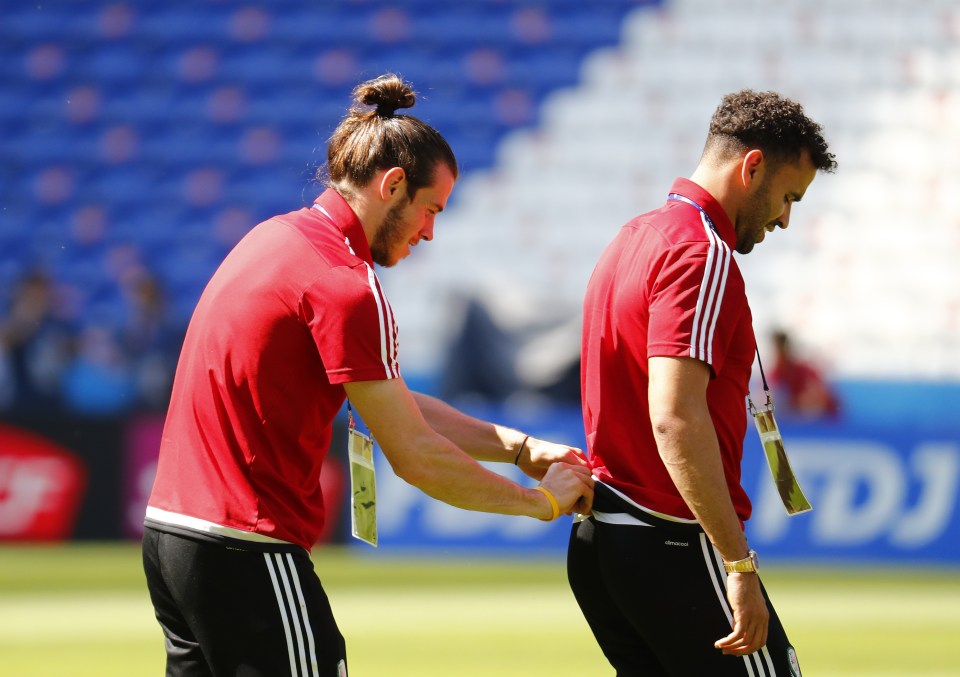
pixel 292 323
pixel 662 569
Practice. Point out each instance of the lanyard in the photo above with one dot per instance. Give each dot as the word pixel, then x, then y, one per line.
pixel 706 217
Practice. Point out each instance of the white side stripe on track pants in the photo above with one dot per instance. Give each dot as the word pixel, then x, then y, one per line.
pixel 293 611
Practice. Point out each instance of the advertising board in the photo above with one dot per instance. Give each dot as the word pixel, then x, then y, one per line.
pixel 878 493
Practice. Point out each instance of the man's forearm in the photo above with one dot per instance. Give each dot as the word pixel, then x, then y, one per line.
pixel 687 442
pixel 484 441
pixel 444 473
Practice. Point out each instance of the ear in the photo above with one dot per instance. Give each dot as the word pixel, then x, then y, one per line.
pixel 393 184
pixel 752 167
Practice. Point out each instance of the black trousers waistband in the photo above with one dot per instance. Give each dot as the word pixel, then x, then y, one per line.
pixel 606 500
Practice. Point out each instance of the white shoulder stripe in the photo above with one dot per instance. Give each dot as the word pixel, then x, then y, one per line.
pixel 391 334
pixel 393 366
pixel 696 333
pixel 323 211
pixel 388 337
pixel 346 240
pixel 722 270
pixel 385 316
pixel 711 295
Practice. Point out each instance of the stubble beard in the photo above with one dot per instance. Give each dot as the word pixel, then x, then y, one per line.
pixel 753 218
pixel 388 236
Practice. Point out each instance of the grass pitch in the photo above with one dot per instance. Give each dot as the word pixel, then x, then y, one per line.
pixel 82 610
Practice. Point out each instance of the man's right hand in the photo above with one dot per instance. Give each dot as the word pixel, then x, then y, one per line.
pixel 571 485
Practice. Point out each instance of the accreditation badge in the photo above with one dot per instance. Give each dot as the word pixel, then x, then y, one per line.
pixel 783 477
pixel 363 485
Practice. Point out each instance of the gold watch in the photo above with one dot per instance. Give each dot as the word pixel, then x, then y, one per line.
pixel 749 564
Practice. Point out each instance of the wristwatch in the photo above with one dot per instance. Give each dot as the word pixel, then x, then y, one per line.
pixel 749 564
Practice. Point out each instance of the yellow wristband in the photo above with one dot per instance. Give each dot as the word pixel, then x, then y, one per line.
pixel 554 506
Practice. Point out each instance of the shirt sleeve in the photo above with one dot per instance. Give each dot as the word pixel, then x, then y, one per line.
pixel 353 326
pixel 689 309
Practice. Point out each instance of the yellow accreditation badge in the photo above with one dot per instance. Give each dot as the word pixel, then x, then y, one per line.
pixel 783 477
pixel 363 485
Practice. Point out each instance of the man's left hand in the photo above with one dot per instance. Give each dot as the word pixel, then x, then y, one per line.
pixel 538 455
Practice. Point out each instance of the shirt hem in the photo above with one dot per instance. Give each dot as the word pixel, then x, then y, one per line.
pixel 618 508
pixel 200 529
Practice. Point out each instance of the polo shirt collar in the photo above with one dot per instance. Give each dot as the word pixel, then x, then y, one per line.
pixel 721 221
pixel 346 221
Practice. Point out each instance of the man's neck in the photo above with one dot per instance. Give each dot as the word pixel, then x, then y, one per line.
pixel 721 183
pixel 366 209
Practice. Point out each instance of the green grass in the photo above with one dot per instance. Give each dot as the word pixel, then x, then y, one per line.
pixel 82 610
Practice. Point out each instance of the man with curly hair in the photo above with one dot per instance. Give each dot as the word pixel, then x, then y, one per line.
pixel 662 569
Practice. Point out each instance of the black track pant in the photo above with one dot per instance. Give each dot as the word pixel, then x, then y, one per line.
pixel 655 600
pixel 240 613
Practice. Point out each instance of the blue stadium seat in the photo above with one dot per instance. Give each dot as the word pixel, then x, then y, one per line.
pixel 588 25
pixel 458 27
pixel 36 22
pixel 183 22
pixel 115 64
pixel 143 105
pixel 542 69
pixel 262 64
pixel 324 26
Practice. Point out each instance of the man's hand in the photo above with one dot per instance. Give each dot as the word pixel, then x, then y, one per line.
pixel 750 616
pixel 538 455
pixel 571 485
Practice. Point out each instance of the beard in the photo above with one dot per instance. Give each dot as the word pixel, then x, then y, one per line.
pixel 389 235
pixel 753 218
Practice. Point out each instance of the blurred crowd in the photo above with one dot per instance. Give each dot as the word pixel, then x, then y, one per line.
pixel 96 365
pixel 103 365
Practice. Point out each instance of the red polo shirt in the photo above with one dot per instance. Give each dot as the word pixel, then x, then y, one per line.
pixel 292 313
pixel 666 286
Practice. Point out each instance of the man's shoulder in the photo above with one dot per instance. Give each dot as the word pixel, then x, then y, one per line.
pixel 305 233
pixel 665 233
pixel 671 226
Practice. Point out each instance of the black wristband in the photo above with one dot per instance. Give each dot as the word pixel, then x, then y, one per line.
pixel 520 450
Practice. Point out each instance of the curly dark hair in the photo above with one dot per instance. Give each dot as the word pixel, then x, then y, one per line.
pixel 774 124
pixel 373 137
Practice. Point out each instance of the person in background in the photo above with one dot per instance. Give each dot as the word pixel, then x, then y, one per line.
pixel 292 323
pixel 35 348
pixel 151 339
pixel 806 394
pixel 662 569
pixel 99 380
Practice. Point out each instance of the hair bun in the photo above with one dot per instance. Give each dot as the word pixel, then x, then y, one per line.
pixel 387 92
